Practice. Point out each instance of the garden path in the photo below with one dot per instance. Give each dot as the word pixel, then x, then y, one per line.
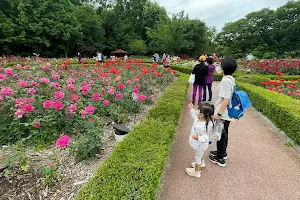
pixel 259 166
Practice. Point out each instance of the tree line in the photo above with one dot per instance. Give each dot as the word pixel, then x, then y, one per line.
pixel 61 28
pixel 266 33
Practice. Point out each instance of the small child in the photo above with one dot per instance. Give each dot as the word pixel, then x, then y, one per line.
pixel 199 137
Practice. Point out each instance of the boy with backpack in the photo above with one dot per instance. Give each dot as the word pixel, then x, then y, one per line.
pixel 229 103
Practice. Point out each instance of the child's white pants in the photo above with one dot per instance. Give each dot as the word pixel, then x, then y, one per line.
pixel 198 155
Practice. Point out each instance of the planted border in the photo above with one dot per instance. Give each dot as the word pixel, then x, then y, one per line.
pixel 282 110
pixel 134 169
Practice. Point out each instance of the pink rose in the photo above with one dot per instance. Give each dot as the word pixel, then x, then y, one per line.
pixel 106 102
pixel 96 97
pixel 73 108
pixel 59 95
pixel 55 76
pixel 56 85
pixel 48 104
pixel 36 124
pixel 2 77
pixel 63 141
pixel 89 110
pixel 135 90
pixel 7 92
pixel 129 82
pixel 19 113
pixel 22 83
pixel 120 86
pixel 34 84
pixel 45 80
pixel 28 108
pixel 58 105
pixel 111 91
pixel 142 98
pixel 74 98
pixel 8 72
pixel 31 91
pixel 119 95
pixel 19 66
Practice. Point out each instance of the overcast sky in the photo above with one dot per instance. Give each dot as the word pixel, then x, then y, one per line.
pixel 218 12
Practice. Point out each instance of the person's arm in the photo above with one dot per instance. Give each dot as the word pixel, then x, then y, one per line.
pixel 194 70
pixel 224 104
pixel 193 112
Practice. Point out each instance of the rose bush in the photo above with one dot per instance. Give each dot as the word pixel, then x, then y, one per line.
pixel 40 102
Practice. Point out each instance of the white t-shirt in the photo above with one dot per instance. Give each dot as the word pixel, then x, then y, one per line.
pixel 224 91
pixel 250 57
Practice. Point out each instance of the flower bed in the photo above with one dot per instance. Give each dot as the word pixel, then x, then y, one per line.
pixel 286 66
pixel 134 169
pixel 41 102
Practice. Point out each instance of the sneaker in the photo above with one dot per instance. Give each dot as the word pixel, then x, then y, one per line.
pixel 191 172
pixel 215 153
pixel 202 165
pixel 216 160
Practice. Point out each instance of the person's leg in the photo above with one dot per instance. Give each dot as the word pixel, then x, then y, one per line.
pixel 195 172
pixel 195 87
pixel 198 159
pixel 209 85
pixel 204 92
pixel 222 144
pixel 200 88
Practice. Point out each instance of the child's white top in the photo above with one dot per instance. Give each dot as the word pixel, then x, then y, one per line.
pixel 199 128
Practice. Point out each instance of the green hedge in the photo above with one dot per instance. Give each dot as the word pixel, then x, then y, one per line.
pixel 257 79
pixel 254 79
pixel 288 78
pixel 282 110
pixel 134 169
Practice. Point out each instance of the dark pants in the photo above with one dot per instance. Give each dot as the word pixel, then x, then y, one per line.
pixel 208 85
pixel 222 144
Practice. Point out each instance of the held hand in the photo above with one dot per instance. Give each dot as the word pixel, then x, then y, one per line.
pixel 195 137
pixel 191 106
pixel 217 117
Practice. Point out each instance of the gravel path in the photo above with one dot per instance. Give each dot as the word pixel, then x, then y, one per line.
pixel 259 166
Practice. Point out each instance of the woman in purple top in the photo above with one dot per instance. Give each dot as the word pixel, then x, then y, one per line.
pixel 209 79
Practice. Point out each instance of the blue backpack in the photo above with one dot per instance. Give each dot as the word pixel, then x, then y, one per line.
pixel 240 102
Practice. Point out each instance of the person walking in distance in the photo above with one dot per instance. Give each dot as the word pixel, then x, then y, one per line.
pixel 200 71
pixel 209 79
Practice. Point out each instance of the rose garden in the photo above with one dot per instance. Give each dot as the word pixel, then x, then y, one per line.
pixel 105 127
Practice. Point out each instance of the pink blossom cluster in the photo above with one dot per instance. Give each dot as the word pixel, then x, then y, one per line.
pixel 7 92
pixel 23 106
pixel 89 110
pixel 142 98
pixel 56 105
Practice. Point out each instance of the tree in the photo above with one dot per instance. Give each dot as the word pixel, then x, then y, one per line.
pixel 138 47
pixel 91 29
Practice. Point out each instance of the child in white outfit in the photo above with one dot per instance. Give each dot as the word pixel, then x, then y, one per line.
pixel 199 137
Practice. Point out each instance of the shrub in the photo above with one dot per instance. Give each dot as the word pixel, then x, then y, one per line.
pixel 253 79
pixel 134 169
pixel 284 111
pixel 270 55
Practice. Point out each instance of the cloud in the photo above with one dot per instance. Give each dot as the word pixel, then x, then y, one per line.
pixel 218 12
